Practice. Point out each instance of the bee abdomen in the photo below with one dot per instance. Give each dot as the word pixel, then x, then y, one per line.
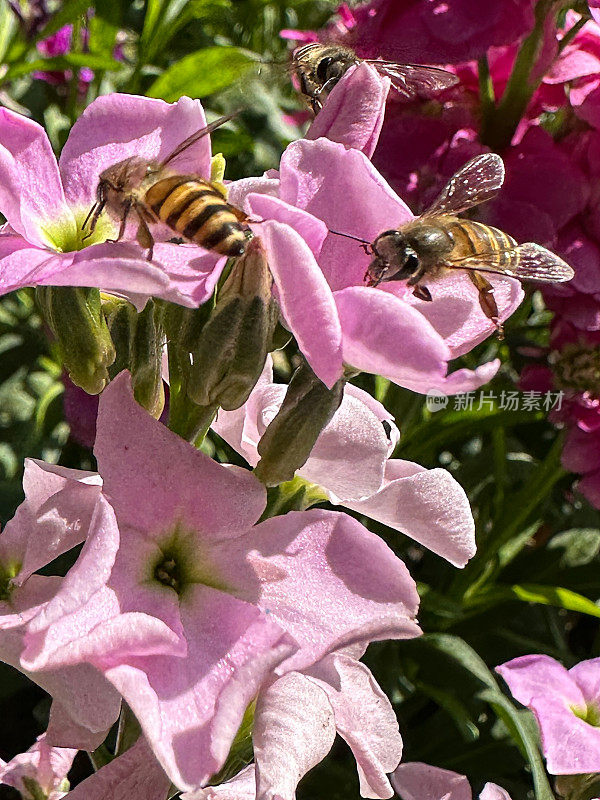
pixel 193 208
pixel 475 238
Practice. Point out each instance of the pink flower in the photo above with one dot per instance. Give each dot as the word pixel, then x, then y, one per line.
pixel 342 188
pixel 135 775
pixel 350 463
pixel 418 781
pixel 295 723
pixel 59 44
pixel 42 769
pixel 179 553
pixel 566 705
pixel 46 203
pixel 354 111
pixel 59 507
pixel 595 9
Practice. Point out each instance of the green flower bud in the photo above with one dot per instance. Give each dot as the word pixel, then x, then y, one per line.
pixel 75 317
pixel 138 340
pixel 230 353
pixel 288 440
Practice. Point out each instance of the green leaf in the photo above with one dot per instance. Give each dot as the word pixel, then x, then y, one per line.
pixel 580 546
pixel 68 12
pixel 554 596
pixel 521 729
pixel 68 61
pixel 518 722
pixel 202 73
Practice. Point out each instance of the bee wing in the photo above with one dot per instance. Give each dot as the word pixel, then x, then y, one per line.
pixel 198 135
pixel 528 262
pixel 474 183
pixel 414 80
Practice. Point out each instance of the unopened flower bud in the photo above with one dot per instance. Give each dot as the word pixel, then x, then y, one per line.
pixel 307 408
pixel 75 317
pixel 230 353
pixel 138 340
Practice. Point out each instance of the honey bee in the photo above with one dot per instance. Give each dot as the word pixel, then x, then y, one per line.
pixel 319 67
pixel 439 241
pixel 193 207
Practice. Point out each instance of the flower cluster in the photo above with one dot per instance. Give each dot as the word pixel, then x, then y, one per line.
pixel 221 622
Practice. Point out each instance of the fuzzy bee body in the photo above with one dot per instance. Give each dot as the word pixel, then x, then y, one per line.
pixel 191 206
pixel 195 209
pixel 319 68
pixel 440 241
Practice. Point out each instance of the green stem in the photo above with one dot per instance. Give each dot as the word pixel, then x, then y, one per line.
pixel 129 730
pixel 294 495
pixel 487 96
pixel 519 90
pixel 484 566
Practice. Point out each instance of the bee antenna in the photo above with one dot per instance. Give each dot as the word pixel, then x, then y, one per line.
pixel 350 236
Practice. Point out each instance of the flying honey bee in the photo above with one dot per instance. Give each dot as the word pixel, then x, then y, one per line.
pixel 439 241
pixel 319 67
pixel 193 207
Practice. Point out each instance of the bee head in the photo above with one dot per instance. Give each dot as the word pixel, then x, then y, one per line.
pixel 395 258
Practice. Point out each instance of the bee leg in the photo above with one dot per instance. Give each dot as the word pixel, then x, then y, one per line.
pixel 423 293
pixel 123 224
pixel 487 300
pixel 143 236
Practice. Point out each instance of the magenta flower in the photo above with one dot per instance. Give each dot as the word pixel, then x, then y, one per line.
pixel 343 189
pixel 354 111
pixel 350 463
pixel 56 514
pixel 46 203
pixel 135 775
pixel 417 781
pixel 566 705
pixel 59 44
pixel 179 552
pixel 41 771
pixel 429 32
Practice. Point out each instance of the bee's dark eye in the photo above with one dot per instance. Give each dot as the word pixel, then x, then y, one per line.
pixel 324 65
pixel 411 264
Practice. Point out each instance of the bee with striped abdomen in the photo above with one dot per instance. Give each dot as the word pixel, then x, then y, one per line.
pixel 319 67
pixel 193 207
pixel 439 241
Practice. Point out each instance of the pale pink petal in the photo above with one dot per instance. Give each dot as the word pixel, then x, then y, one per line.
pixel 305 299
pixel 354 110
pixel 190 708
pixel 135 775
pixel 465 380
pixel 349 456
pixel 587 676
pixel 241 787
pixel 364 717
pixel 237 191
pixel 208 497
pixel 455 311
pixel 569 744
pixel 325 579
pixel 428 505
pixel 491 791
pixel 384 335
pixel 418 781
pixel 31 193
pixel 264 207
pixel 344 189
pixel 293 731
pixel 46 766
pixel 22 265
pixel 54 517
pixel 117 126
